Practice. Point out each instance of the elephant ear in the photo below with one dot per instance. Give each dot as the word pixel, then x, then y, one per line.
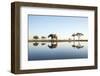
pixel 49 35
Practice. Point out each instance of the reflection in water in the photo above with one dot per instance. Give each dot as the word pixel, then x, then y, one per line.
pixel 53 45
pixel 35 44
pixel 78 46
pixel 73 46
pixel 57 50
pixel 43 43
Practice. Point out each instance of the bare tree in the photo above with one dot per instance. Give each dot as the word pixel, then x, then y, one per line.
pixel 73 36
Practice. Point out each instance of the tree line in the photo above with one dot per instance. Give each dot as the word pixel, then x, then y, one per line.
pixel 78 35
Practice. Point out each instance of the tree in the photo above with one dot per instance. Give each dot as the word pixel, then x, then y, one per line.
pixel 73 36
pixel 43 37
pixel 36 37
pixel 79 35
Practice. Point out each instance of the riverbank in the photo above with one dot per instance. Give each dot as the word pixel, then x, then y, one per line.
pixel 56 40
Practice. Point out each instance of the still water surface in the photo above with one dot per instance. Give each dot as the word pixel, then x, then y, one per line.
pixel 57 50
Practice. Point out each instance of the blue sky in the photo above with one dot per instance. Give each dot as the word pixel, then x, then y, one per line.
pixel 63 26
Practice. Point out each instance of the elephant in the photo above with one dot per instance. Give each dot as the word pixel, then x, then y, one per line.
pixel 53 36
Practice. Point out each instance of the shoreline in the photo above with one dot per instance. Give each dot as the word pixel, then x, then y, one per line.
pixel 57 40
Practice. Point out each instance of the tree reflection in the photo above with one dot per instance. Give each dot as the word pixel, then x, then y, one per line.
pixel 54 44
pixel 35 44
pixel 74 46
pixel 43 43
pixel 78 46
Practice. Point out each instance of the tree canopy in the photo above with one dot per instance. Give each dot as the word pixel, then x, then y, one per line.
pixel 35 37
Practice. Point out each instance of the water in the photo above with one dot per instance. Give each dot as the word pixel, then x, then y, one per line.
pixel 57 50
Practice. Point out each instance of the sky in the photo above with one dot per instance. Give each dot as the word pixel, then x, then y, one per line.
pixel 63 26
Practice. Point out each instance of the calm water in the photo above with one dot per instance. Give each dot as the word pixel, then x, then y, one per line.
pixel 57 50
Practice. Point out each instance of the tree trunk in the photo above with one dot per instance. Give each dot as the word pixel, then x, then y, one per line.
pixel 73 38
pixel 78 37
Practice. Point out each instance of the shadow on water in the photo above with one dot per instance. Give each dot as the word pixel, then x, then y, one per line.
pixel 54 44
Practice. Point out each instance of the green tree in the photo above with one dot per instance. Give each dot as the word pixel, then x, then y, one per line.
pixel 43 37
pixel 36 37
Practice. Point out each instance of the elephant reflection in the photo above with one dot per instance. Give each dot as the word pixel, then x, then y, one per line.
pixel 53 45
pixel 35 44
pixel 78 46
